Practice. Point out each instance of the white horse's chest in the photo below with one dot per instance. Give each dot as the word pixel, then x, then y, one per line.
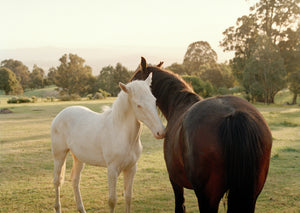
pixel 127 158
pixel 123 157
pixel 124 152
pixel 106 147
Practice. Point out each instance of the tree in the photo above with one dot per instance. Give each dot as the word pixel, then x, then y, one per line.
pixel 240 39
pixel 121 74
pixel 20 70
pixel 276 16
pixel 110 77
pixel 229 80
pixel 264 74
pixel 214 76
pixel 177 68
pixel 219 75
pixel 72 76
pixel 290 51
pixel 294 82
pixel 36 77
pixel 51 75
pixel 9 82
pixel 105 79
pixel 197 54
pixel 203 88
pixel 270 18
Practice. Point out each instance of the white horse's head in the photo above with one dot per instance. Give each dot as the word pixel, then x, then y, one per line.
pixel 143 104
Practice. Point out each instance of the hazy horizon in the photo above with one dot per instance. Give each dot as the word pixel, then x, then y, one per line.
pixel 97 58
pixel 124 30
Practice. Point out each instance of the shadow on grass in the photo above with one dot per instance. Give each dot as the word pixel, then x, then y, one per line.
pixel 24 139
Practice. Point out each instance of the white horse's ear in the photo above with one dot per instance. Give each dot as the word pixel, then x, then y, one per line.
pixel 149 79
pixel 123 87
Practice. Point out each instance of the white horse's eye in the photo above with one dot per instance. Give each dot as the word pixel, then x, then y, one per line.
pixel 139 106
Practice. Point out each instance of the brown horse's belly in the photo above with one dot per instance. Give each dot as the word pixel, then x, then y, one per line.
pixel 203 160
pixel 177 175
pixel 174 162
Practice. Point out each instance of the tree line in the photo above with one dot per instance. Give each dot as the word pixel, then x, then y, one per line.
pixel 266 59
pixel 72 77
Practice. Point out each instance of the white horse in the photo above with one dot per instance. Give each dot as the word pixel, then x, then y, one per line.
pixel 110 139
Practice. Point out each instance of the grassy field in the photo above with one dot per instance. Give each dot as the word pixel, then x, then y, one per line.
pixel 26 166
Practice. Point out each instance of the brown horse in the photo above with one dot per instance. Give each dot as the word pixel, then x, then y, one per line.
pixel 212 146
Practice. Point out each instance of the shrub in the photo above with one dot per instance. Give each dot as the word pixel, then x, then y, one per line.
pixel 13 100
pixel 50 99
pixel 236 89
pixel 98 95
pixel 223 91
pixel 67 97
pixel 203 88
pixel 16 100
pixel 34 99
pixel 104 93
pixel 90 96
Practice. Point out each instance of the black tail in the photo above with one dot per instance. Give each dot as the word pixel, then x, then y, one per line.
pixel 240 135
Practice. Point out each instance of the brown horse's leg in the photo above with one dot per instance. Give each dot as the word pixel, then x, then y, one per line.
pixel 210 193
pixel 240 203
pixel 179 197
pixel 205 204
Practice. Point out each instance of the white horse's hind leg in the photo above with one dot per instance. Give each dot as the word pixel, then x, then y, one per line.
pixel 112 176
pixel 75 175
pixel 128 183
pixel 58 177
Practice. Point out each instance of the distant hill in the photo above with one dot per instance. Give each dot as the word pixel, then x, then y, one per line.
pixel 97 58
pixel 42 93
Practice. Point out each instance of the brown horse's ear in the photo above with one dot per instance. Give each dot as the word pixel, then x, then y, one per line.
pixel 160 64
pixel 143 64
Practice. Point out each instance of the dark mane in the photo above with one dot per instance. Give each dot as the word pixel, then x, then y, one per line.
pixel 172 91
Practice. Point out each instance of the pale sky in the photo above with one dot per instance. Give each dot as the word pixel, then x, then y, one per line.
pixel 163 24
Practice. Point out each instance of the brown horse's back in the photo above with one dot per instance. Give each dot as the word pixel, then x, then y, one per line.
pixel 216 161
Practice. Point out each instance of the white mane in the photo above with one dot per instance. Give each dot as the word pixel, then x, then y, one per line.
pixel 120 106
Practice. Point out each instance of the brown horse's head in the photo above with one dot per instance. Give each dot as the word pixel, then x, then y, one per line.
pixel 142 71
pixel 168 88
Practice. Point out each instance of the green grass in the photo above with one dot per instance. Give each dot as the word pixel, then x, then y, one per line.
pixel 26 166
pixel 42 93
pixel 284 96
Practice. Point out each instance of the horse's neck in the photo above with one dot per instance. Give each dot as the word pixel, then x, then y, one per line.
pixel 123 115
pixel 172 98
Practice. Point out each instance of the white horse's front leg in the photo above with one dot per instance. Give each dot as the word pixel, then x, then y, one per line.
pixel 128 183
pixel 112 175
